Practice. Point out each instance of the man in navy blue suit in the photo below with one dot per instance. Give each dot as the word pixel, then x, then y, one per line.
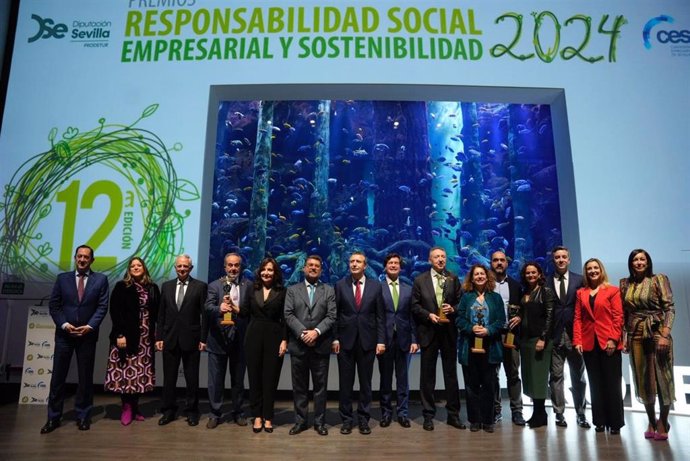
pixel 360 335
pixel 78 304
pixel 401 341
pixel 565 284
pixel 225 343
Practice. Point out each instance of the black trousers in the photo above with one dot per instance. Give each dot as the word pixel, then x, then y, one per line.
pixel 442 342
pixel 480 388
pixel 605 375
pixel 263 366
pixel 171 363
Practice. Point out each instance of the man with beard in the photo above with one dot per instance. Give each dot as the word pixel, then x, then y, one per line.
pixel 510 290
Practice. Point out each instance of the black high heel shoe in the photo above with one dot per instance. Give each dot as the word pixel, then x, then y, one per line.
pixel 257 429
pixel 268 429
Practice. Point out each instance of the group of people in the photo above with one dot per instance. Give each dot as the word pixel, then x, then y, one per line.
pixel 532 326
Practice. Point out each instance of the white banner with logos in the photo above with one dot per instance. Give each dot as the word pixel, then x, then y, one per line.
pixel 38 356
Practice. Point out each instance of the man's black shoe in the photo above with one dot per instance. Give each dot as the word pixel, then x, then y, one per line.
pixel 297 428
pixel 84 424
pixel 50 426
pixel 404 421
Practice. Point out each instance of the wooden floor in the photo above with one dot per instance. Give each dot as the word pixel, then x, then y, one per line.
pixel 20 439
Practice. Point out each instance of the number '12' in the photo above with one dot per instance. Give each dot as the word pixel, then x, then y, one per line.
pixel 70 197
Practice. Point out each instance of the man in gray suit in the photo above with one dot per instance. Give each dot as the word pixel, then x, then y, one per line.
pixel 310 313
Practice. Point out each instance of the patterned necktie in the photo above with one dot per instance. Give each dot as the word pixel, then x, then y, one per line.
pixel 561 287
pixel 439 290
pixel 394 293
pixel 80 286
pixel 180 294
pixel 358 294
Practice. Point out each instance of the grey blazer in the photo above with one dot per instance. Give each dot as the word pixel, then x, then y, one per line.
pixel 300 316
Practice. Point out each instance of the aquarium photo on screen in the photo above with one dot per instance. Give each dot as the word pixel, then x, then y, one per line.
pixel 298 177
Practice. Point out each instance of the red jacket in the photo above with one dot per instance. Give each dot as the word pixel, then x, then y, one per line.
pixel 605 321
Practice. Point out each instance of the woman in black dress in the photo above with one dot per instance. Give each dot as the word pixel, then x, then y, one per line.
pixel 536 312
pixel 265 342
pixel 133 310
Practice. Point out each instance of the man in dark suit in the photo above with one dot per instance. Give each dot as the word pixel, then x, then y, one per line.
pixel 225 343
pixel 401 341
pixel 178 335
pixel 310 313
pixel 360 335
pixel 435 297
pixel 78 303
pixel 565 284
pixel 510 290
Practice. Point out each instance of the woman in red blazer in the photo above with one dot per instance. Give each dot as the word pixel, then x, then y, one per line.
pixel 597 335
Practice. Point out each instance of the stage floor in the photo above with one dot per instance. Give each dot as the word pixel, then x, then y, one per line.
pixel 20 438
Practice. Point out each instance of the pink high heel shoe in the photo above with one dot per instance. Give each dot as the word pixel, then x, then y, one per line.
pixel 126 417
pixel 662 437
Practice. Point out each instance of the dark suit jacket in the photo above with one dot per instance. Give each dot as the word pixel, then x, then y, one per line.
pixel 299 316
pixel 604 322
pixel 402 319
pixel 367 323
pixel 124 312
pixel 514 291
pixel 181 327
pixel 216 336
pixel 564 311
pixel 424 303
pixel 514 296
pixel 537 320
pixel 269 312
pixel 64 305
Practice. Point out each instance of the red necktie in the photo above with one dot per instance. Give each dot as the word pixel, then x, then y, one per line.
pixel 358 294
pixel 80 287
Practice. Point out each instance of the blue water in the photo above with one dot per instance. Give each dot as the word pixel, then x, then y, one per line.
pixel 402 176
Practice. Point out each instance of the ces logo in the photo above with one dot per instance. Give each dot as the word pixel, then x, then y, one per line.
pixel 47 28
pixel 663 36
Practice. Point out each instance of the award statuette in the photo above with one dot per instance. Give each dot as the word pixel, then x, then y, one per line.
pixel 509 338
pixel 227 317
pixel 478 316
pixel 442 317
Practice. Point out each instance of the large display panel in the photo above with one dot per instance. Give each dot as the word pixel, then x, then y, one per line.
pixel 328 177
